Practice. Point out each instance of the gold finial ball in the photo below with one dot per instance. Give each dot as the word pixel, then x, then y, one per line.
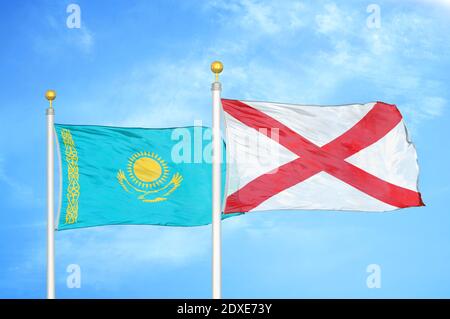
pixel 50 95
pixel 216 67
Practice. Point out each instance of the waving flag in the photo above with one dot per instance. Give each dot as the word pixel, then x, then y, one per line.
pixel 114 175
pixel 350 157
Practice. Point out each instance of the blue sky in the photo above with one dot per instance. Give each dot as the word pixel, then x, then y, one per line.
pixel 146 63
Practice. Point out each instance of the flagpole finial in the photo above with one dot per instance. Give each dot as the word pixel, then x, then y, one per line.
pixel 50 95
pixel 217 68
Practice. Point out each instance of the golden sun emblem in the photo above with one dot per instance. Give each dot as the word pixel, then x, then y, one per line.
pixel 149 174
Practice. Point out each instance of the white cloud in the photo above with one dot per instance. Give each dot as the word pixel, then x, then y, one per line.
pixel 434 106
pixel 143 248
pixel 275 57
pixel 60 38
pixel 390 59
pixel 84 39
pixel 444 3
pixel 19 190
pixel 261 17
pixel 136 244
pixel 425 108
pixel 332 20
pixel 349 50
pixel 169 93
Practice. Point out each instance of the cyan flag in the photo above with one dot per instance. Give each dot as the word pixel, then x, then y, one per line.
pixel 113 175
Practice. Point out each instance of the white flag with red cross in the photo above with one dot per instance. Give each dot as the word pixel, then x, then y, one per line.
pixel 349 157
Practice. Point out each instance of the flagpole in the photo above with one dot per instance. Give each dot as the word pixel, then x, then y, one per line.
pixel 216 88
pixel 50 95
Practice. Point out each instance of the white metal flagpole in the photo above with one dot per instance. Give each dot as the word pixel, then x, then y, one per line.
pixel 216 68
pixel 50 95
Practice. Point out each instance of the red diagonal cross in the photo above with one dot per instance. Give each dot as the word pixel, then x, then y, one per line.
pixel 330 158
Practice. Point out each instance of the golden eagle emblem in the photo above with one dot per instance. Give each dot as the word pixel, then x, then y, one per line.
pixel 149 176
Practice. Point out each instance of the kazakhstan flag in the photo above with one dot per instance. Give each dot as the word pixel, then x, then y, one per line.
pixel 113 175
